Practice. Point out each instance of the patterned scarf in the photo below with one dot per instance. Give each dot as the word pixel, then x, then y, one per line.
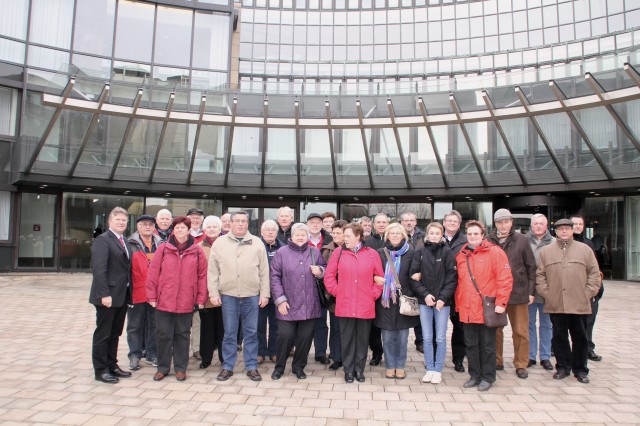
pixel 390 289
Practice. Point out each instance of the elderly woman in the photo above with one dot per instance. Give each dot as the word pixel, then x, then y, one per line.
pixel 294 270
pixel 394 326
pixel 435 283
pixel 177 281
pixel 211 328
pixel 356 280
pixel 488 266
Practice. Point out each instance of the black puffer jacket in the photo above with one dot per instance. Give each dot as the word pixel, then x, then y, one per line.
pixel 437 264
pixel 390 318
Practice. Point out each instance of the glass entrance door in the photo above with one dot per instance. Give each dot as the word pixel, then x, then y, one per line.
pixel 633 237
pixel 36 248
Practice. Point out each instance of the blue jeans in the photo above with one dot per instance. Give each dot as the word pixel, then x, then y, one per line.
pixel 141 324
pixel 394 346
pixel 429 315
pixel 546 332
pixel 234 311
pixel 267 344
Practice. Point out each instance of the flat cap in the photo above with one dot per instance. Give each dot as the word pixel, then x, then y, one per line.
pixel 314 215
pixel 564 222
pixel 195 210
pixel 502 214
pixel 146 217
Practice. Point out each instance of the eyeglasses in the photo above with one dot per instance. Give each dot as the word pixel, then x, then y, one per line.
pixel 240 221
pixel 394 233
pixel 474 233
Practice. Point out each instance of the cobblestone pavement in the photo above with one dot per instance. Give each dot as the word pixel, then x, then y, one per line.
pixel 46 377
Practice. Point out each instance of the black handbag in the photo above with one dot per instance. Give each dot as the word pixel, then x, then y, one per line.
pixel 492 319
pixel 326 299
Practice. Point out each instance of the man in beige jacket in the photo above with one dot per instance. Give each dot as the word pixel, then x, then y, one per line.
pixel 238 280
pixel 568 278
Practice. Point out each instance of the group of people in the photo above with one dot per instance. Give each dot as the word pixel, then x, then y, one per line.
pixel 201 284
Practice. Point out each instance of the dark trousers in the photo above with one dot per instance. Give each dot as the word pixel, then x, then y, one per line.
pixel 174 333
pixel 570 356
pixel 335 345
pixel 211 333
pixel 591 321
pixel 321 335
pixel 354 335
pixel 418 332
pixel 480 342
pixel 458 348
pixel 375 341
pixel 298 333
pixel 109 326
pixel 141 330
pixel 267 338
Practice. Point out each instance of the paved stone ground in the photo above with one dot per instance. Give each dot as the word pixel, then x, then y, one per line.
pixel 46 377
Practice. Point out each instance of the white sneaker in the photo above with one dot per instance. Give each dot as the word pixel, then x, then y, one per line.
pixel 427 377
pixel 436 377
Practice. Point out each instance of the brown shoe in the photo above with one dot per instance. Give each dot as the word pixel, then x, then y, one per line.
pixel 391 373
pixel 181 376
pixel 159 376
pixel 254 375
pixel 522 373
pixel 400 374
pixel 224 375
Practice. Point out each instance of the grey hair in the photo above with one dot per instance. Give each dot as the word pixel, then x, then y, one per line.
pixel 164 211
pixel 455 213
pixel 118 211
pixel 299 227
pixel 269 222
pixel 285 210
pixel 215 219
pixel 539 216
pixel 365 219
pixel 239 213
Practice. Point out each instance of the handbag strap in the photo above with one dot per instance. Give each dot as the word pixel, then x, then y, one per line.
pixel 392 266
pixel 473 280
pixel 313 258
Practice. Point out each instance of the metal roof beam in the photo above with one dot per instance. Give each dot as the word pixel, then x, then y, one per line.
pixel 456 110
pixel 232 127
pixel 265 139
pixel 398 143
pixel 327 109
pixel 364 141
pixel 163 132
pixel 127 131
pixel 194 151
pixel 432 140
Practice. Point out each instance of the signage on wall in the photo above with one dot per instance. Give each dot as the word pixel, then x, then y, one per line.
pixel 36 227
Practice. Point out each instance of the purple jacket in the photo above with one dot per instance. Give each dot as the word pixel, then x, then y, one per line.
pixel 293 282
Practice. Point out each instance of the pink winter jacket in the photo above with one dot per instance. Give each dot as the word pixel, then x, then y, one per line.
pixel 355 291
pixel 176 282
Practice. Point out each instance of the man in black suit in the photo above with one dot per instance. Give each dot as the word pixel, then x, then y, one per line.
pixel 111 295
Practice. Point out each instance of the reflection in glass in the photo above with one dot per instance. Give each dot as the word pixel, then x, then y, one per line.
pixel 64 139
pixel 315 156
pixel 8 111
pixel 52 59
pixel 281 152
pixel 350 154
pixel 37 230
pixel 93 32
pixel 5 214
pixel 210 152
pixel 632 226
pixel 211 41
pixel 139 148
pixel 51 22
pixel 386 158
pixel 12 51
pixel 177 146
pixel 103 144
pixel 134 34
pixel 13 19
pixel 173 36
pixel 91 66
pixel 246 157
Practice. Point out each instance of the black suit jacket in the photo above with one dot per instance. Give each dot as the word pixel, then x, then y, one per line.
pixel 111 270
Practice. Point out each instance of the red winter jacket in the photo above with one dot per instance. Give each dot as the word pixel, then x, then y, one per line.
pixel 492 272
pixel 140 266
pixel 355 291
pixel 178 282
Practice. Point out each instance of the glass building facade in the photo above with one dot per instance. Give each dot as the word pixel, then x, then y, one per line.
pixel 354 106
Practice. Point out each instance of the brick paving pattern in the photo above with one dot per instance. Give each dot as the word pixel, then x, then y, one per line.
pixel 46 377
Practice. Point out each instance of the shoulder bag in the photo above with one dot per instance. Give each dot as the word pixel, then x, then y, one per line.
pixel 492 319
pixel 408 305
pixel 326 298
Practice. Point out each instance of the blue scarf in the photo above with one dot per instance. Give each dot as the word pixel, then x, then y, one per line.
pixel 390 289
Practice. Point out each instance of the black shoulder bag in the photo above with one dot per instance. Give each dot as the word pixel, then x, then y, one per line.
pixel 491 318
pixel 326 298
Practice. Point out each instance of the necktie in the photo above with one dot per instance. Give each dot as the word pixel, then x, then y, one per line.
pixel 122 242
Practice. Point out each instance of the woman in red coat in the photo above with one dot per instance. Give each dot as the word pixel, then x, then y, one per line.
pixel 355 277
pixel 177 282
pixel 490 268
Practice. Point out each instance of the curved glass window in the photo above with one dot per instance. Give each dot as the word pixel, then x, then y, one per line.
pixel 93 31
pixel 13 19
pixel 173 36
pixel 211 34
pixel 51 22
pixel 134 35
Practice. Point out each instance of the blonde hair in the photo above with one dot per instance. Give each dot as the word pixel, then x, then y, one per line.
pixel 395 226
pixel 435 225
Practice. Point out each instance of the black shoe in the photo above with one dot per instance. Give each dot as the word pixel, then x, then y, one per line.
pixel 594 356
pixel 561 374
pixel 335 366
pixel 348 377
pixel 522 373
pixel 118 372
pixel 300 374
pixel 582 378
pixel 532 362
pixel 484 386
pixel 375 361
pixel 276 375
pixel 254 375
pixel 323 360
pixel 499 367
pixel 546 364
pixel 420 347
pixel 359 377
pixel 107 378
pixel 204 364
pixel 459 367
pixel 471 383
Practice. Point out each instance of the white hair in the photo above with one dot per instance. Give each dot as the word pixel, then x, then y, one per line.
pixel 299 227
pixel 269 222
pixel 285 210
pixel 215 219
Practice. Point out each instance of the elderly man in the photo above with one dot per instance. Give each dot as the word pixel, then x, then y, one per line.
pixel 568 277
pixel 523 269
pixel 267 344
pixel 163 224
pixel 226 223
pixel 578 235
pixel 197 217
pixel 409 220
pixel 285 220
pixel 367 226
pixel 539 237
pixel 238 281
pixel 455 240
pixel 110 294
pixel 141 318
pixel 318 237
